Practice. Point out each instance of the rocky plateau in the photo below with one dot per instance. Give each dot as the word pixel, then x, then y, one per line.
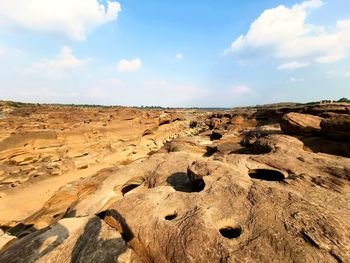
pixel 90 184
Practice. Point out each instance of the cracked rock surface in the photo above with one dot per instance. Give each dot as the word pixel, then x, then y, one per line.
pixel 234 187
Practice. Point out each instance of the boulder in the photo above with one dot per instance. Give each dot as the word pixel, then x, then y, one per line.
pixel 337 128
pixel 300 124
pixel 166 118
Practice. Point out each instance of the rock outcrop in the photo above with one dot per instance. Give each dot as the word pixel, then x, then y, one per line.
pixel 337 128
pixel 300 124
pixel 177 186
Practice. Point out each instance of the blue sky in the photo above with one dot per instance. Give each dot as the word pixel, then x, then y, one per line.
pixel 174 53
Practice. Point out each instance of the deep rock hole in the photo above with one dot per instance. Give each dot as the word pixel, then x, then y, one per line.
pixel 215 136
pixel 129 188
pixel 231 232
pixel 181 182
pixel 266 175
pixel 170 217
pixel 198 185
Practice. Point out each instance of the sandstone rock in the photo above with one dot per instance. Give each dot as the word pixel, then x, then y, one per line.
pixel 320 110
pixel 337 128
pixel 300 124
pixel 6 241
pixel 253 195
pixel 74 138
pixel 229 216
pixel 86 239
pixel 166 118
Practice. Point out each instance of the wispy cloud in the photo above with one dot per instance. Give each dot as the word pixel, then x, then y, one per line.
pixel 56 67
pixel 240 90
pixel 296 80
pixel 179 56
pixel 293 65
pixel 129 65
pixel 4 50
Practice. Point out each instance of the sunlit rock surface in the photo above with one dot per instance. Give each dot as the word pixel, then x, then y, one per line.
pixel 128 185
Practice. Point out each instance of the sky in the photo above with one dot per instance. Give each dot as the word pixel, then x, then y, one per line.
pixel 179 53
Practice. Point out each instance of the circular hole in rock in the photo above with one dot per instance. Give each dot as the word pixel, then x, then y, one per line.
pixel 231 232
pixel 266 175
pixel 215 136
pixel 170 217
pixel 198 185
pixel 129 188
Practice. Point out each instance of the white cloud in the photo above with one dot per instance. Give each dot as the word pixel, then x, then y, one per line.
pixel 337 73
pixel 72 18
pixel 9 51
pixel 285 32
pixel 56 67
pixel 293 65
pixel 129 66
pixel 295 80
pixel 179 56
pixel 240 90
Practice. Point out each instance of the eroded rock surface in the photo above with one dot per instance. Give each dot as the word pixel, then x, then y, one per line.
pixel 300 124
pixel 226 186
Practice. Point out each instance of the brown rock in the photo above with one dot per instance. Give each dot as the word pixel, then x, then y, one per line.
pixel 85 239
pixel 300 124
pixel 337 128
pixel 253 195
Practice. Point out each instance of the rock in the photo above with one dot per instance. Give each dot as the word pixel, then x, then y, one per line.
pixel 337 128
pixel 251 137
pixel 300 124
pixel 193 124
pixel 329 146
pixel 227 147
pixel 168 193
pixel 86 239
pixel 166 118
pixel 320 110
pixel 6 241
pixel 50 143
pixel 248 208
pixel 213 123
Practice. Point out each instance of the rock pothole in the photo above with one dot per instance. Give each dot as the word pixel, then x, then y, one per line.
pixel 231 232
pixel 198 185
pixel 181 182
pixel 266 175
pixel 216 135
pixel 170 216
pixel 130 185
pixel 129 188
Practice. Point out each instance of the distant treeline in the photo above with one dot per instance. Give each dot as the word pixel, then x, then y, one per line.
pixel 272 105
pixel 293 104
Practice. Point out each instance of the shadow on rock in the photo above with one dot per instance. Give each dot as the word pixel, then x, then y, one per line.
pixel 180 182
pixel 28 248
pixel 90 247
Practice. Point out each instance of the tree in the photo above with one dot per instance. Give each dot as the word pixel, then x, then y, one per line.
pixel 344 100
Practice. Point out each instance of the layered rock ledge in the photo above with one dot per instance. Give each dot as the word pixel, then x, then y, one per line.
pixel 125 185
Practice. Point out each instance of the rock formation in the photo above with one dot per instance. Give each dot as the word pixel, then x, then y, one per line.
pixel 177 186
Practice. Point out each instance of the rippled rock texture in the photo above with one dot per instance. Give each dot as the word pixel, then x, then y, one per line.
pixel 177 186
